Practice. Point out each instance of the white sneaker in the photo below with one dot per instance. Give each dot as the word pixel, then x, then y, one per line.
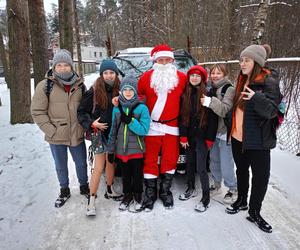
pixel 91 209
pixel 215 190
pixel 231 196
pixel 112 194
pixel 200 207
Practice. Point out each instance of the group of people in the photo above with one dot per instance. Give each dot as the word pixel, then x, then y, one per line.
pixel 141 123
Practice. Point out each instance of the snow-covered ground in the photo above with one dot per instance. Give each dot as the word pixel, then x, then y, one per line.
pixel 28 219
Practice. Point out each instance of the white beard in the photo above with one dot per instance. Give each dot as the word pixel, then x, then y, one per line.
pixel 164 78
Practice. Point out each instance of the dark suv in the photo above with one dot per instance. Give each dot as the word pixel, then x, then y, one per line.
pixel 136 61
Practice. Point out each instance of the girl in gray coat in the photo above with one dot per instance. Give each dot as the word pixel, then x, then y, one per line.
pixel 221 159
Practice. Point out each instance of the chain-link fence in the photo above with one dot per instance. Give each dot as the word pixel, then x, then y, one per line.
pixel 288 133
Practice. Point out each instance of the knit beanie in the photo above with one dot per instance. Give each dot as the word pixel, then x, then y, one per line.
pixel 128 82
pixel 64 56
pixel 199 70
pixel 108 64
pixel 258 53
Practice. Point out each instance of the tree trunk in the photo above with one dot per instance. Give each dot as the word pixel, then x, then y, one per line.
pixel 19 48
pixel 260 22
pixel 37 22
pixel 4 60
pixel 77 37
pixel 65 9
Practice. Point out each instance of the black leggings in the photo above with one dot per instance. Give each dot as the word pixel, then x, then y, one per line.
pixel 132 176
pixel 259 160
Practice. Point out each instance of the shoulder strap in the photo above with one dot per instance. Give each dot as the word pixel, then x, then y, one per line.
pixel 48 87
pixel 224 89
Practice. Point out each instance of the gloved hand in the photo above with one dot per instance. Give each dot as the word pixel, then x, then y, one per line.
pixel 209 144
pixel 111 157
pixel 126 118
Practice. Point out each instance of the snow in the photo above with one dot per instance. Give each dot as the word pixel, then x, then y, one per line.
pixel 29 187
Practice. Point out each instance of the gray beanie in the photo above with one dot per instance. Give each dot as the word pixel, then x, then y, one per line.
pixel 257 53
pixel 129 82
pixel 62 55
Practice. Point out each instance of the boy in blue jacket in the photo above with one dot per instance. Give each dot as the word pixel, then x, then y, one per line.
pixel 130 123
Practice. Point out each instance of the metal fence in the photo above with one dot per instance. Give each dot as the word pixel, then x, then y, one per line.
pixel 288 133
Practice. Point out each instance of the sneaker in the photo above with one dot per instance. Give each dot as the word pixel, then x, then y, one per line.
pixel 256 218
pixel 91 209
pixel 85 190
pixel 237 206
pixel 188 193
pixel 230 196
pixel 126 202
pixel 215 190
pixel 112 194
pixel 204 203
pixel 63 197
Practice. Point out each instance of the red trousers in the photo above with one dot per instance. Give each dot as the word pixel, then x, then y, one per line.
pixel 168 145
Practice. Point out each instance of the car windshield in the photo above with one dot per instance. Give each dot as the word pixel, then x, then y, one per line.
pixel 138 64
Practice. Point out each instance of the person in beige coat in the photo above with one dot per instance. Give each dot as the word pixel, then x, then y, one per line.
pixel 54 109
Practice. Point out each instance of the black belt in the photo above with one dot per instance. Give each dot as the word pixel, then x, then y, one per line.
pixel 166 121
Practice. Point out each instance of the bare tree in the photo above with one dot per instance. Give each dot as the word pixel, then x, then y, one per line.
pixel 66 24
pixel 77 38
pixel 4 60
pixel 19 54
pixel 38 35
pixel 260 21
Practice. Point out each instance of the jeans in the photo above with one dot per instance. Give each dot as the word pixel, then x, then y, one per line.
pixel 222 164
pixel 60 156
pixel 196 155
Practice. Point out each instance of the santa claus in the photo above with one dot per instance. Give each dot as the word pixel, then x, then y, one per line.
pixel 162 87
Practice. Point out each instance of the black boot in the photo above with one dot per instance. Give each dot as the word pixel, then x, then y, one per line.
pixel 238 205
pixel 254 216
pixel 63 197
pixel 85 190
pixel 150 194
pixel 165 193
pixel 204 202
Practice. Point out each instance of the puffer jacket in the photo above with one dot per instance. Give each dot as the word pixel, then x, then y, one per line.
pixel 222 105
pixel 126 140
pixel 87 116
pixel 260 112
pixel 56 115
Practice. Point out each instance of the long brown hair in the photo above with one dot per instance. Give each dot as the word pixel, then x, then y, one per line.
pixel 185 112
pixel 241 81
pixel 100 91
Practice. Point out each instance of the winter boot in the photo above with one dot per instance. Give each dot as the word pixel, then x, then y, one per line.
pixel 255 217
pixel 150 195
pixel 230 196
pixel 204 202
pixel 91 209
pixel 85 190
pixel 112 194
pixel 190 192
pixel 63 197
pixel 126 202
pixel 165 193
pixel 238 205
pixel 137 203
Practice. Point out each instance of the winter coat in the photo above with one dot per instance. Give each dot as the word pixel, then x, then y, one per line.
pixel 260 111
pixel 221 105
pixel 56 115
pixel 87 116
pixel 129 139
pixel 194 130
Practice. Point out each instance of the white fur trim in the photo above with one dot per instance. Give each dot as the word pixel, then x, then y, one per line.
pixel 157 128
pixel 159 106
pixel 171 171
pixel 164 53
pixel 150 176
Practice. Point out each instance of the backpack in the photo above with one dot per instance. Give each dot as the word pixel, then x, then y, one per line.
pixel 49 87
pixel 281 109
pixel 227 118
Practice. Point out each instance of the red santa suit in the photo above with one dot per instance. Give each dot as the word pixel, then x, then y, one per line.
pixel 163 135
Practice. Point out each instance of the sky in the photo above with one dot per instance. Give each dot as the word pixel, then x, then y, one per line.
pixel 47 4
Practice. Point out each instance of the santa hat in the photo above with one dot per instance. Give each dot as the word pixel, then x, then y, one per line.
pixel 199 70
pixel 160 51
